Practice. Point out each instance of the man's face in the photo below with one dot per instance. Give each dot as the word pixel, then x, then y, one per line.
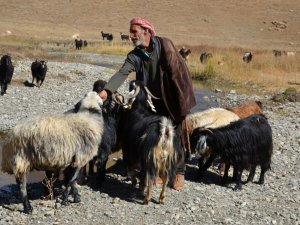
pixel 138 35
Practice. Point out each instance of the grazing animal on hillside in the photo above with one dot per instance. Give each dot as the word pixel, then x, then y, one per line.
pixel 244 144
pixel 104 35
pixel 6 72
pixel 110 37
pixel 85 43
pixel 53 143
pixel 185 53
pixel 124 37
pixel 149 141
pixel 204 56
pixel 247 57
pixel 247 109
pixel 39 71
pixel 277 53
pixel 78 44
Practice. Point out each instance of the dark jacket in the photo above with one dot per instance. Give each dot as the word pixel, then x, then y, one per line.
pixel 176 81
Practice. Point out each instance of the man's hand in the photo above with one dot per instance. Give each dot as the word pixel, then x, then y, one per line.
pixel 103 94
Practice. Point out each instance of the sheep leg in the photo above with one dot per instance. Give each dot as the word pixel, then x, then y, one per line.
pixel 251 174
pixel 149 192
pixel 238 185
pixel 71 174
pixel 163 191
pixel 22 182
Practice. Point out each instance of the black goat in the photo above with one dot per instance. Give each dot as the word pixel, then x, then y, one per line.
pixel 204 56
pixel 78 44
pixel 85 43
pixel 149 142
pixel 38 71
pixel 104 35
pixel 124 37
pixel 110 37
pixel 247 57
pixel 244 144
pixel 277 53
pixel 6 72
pixel 185 53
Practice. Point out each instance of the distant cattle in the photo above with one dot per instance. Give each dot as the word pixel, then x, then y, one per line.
pixel 78 44
pixel 247 57
pixel 204 56
pixel 38 71
pixel 6 72
pixel 185 53
pixel 124 37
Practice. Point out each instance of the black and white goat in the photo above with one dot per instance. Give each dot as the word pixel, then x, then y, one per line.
pixel 204 56
pixel 149 141
pixel 244 144
pixel 247 57
pixel 6 72
pixel 38 71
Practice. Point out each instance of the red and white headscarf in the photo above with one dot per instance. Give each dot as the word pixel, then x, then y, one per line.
pixel 143 23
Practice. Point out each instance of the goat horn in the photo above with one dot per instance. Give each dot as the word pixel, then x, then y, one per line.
pixel 116 99
pixel 137 91
pixel 206 129
pixel 149 93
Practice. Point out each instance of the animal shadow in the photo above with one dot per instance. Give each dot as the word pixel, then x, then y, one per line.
pixel 28 84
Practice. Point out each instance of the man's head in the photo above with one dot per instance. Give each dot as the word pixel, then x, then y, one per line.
pixel 141 31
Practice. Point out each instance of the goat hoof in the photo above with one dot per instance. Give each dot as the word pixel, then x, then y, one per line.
pixel 162 201
pixel 146 201
pixel 237 188
pixel 77 199
pixel 65 203
pixel 28 210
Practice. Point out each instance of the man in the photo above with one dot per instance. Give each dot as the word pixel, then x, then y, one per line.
pixel 158 64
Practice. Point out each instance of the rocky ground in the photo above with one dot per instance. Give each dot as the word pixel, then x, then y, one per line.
pixel 117 202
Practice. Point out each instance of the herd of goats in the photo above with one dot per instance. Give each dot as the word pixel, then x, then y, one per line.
pixel 86 135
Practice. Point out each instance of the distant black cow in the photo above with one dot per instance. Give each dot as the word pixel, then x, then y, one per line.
pixel 38 71
pixel 6 72
pixel 104 35
pixel 78 44
pixel 247 57
pixel 204 56
pixel 124 37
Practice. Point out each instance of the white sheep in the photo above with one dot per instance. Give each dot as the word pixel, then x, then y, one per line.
pixel 53 143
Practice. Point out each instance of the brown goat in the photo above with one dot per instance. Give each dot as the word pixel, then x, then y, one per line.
pixel 245 110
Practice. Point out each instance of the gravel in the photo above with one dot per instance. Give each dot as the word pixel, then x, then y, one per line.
pixel 117 202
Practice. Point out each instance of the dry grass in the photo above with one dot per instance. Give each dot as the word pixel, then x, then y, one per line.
pixel 225 70
pixel 265 73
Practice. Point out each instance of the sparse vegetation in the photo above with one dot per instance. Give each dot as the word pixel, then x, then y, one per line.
pixel 225 70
